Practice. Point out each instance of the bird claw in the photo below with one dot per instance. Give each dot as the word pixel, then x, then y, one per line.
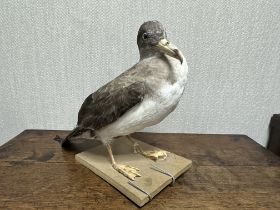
pixel 127 170
pixel 155 155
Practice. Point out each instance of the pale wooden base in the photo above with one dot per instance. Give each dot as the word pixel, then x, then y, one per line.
pixel 151 181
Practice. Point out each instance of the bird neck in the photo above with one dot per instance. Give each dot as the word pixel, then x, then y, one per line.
pixel 147 53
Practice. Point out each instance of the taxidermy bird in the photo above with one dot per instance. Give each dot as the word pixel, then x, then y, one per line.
pixel 141 96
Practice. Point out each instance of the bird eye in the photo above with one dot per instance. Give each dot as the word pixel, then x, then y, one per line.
pixel 145 36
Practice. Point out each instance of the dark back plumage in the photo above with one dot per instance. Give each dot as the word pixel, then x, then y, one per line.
pixel 109 103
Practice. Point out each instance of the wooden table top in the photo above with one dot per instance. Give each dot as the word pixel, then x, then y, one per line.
pixel 229 171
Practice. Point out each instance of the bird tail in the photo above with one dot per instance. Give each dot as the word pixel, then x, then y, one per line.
pixel 75 132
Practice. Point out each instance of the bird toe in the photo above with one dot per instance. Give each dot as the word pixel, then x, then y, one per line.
pixel 156 154
pixel 127 170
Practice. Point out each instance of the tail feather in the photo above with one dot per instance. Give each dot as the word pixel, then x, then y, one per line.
pixel 75 132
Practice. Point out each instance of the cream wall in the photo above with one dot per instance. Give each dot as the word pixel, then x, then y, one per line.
pixel 54 53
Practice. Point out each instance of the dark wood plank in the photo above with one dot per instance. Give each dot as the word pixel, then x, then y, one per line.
pixel 229 171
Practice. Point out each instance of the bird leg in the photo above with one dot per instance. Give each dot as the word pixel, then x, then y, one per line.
pixel 152 154
pixel 126 170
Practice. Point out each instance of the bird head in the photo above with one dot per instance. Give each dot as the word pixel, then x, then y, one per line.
pixel 152 40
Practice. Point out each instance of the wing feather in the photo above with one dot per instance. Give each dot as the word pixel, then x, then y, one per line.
pixel 109 103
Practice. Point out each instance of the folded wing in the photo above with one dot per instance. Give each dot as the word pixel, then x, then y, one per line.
pixel 109 103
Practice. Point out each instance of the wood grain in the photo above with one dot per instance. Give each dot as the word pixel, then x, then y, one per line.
pixel 228 171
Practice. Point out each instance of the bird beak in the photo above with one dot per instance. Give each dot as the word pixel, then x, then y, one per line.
pixel 164 46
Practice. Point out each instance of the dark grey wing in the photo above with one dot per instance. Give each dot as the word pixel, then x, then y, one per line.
pixel 109 103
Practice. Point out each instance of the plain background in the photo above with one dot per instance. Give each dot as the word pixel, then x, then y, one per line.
pixel 53 54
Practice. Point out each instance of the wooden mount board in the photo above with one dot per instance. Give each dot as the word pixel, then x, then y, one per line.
pixel 151 181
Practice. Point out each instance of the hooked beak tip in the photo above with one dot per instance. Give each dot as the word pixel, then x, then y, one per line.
pixel 178 55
